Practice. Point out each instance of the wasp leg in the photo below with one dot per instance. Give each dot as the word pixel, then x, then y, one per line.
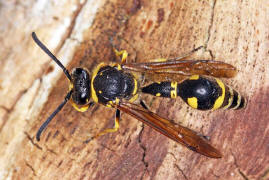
pixel 116 128
pixel 123 54
pixel 142 103
pixel 81 108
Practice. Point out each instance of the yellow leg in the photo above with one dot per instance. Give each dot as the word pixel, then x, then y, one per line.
pixel 123 54
pixel 111 130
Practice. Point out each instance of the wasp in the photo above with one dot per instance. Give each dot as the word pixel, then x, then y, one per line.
pixel 118 86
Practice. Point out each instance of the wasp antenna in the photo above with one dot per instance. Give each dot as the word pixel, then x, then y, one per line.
pixel 47 51
pixel 45 124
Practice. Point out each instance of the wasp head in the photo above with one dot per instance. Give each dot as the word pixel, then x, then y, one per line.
pixel 81 86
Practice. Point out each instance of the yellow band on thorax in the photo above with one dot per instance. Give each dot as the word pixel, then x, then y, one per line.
pixel 95 71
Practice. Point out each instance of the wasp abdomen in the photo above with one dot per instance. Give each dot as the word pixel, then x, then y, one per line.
pixel 161 89
pixel 199 92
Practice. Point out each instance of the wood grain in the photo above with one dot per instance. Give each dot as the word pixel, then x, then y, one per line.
pixel 80 34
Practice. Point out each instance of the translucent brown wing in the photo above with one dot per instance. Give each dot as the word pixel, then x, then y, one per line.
pixel 176 132
pixel 179 69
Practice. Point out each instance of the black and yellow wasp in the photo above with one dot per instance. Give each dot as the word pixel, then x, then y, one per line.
pixel 118 86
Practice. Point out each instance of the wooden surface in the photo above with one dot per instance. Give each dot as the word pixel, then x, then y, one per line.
pixel 79 33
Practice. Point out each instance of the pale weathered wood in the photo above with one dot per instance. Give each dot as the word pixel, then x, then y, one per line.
pixel 31 87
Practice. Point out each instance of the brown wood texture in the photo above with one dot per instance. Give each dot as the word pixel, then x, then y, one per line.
pixel 80 33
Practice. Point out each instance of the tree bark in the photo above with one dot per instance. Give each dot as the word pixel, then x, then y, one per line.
pixel 83 33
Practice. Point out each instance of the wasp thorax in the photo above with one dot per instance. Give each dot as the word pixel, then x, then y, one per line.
pixel 81 86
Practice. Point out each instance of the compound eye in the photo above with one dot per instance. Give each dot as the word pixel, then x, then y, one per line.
pixel 81 86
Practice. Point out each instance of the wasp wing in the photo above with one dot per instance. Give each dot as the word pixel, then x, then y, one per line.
pixel 176 132
pixel 175 69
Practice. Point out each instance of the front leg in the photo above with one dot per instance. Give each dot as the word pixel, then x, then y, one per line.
pixel 123 54
pixel 110 130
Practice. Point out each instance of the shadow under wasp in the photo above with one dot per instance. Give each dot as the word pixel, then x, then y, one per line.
pixel 119 85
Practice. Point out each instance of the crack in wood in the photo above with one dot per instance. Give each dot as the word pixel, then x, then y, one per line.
pixel 5 108
pixel 238 168
pixel 181 171
pixel 31 167
pixel 211 23
pixel 209 29
pixel 32 141
pixel 144 152
pixel 265 174
pixel 5 118
pixel 72 24
pixel 177 167
pixel 50 150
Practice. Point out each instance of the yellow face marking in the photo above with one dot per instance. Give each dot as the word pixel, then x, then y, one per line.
pixel 100 92
pixel 71 86
pixel 193 102
pixel 194 77
pixel 230 98
pixel 135 87
pixel 173 92
pixel 95 71
pixel 219 100
pixel 158 94
pixel 80 109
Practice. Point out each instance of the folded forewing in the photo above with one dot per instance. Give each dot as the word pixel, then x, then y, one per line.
pixel 170 68
pixel 176 132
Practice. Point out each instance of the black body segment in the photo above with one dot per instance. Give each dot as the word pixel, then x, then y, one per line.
pixel 199 92
pixel 162 89
pixel 81 86
pixel 111 83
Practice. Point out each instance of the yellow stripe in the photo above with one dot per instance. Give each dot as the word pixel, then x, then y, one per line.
pixel 230 98
pixel 194 77
pixel 135 87
pixel 174 91
pixel 238 101
pixel 133 98
pixel 80 109
pixel 193 102
pixel 95 71
pixel 219 101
